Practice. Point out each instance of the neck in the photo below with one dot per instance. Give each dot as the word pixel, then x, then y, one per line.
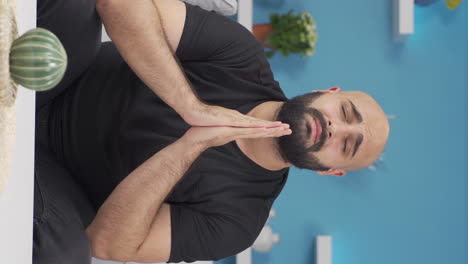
pixel 264 151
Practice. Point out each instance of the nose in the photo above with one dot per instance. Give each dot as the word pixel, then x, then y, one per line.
pixel 336 128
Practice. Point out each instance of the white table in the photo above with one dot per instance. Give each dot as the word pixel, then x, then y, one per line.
pixel 16 203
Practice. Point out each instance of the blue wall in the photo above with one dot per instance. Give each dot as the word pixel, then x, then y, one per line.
pixel 413 209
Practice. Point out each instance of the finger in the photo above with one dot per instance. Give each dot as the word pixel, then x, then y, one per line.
pixel 268 124
pixel 256 123
pixel 248 132
pixel 219 116
pixel 248 121
pixel 266 135
pixel 278 132
pixel 261 132
pixel 229 117
pixel 252 131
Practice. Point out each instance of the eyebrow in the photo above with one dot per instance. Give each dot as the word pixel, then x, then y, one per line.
pixel 356 112
pixel 357 144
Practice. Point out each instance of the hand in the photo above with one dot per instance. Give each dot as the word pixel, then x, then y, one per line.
pixel 200 114
pixel 207 137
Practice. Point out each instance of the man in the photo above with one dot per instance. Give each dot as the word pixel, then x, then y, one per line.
pixel 178 168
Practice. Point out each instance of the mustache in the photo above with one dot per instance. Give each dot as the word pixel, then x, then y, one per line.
pixel 323 136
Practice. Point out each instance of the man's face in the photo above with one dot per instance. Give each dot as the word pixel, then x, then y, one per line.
pixel 333 130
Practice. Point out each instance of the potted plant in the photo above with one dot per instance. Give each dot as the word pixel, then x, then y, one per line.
pixel 288 33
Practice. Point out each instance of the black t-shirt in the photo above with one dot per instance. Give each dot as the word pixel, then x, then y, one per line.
pixel 111 122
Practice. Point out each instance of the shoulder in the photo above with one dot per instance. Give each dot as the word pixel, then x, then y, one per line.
pixel 217 37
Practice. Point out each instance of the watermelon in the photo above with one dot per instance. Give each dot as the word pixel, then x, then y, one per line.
pixel 37 60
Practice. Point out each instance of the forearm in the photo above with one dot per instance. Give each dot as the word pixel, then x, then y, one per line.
pixel 124 220
pixel 136 29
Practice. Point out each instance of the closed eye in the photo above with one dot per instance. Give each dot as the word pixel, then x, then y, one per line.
pixel 345 145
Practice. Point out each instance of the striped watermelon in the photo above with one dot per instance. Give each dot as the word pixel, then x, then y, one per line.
pixel 37 60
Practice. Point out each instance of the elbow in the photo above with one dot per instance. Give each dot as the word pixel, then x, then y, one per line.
pixel 103 6
pixel 110 256
pixel 104 252
pixel 103 3
pixel 101 254
pixel 102 249
pixel 99 250
pixel 98 245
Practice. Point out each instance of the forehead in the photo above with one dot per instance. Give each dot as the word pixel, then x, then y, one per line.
pixel 369 109
pixel 358 98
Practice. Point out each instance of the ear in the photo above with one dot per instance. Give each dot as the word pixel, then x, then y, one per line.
pixel 334 172
pixel 329 90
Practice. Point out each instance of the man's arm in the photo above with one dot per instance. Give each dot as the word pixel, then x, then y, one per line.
pixel 133 224
pixel 144 32
pixel 124 220
pixel 136 29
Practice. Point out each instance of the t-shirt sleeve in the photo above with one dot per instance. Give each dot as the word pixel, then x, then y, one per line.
pixel 209 36
pixel 200 236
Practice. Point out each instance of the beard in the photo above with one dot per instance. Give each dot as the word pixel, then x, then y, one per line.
pixel 293 148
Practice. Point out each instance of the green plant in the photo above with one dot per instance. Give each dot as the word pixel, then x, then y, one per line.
pixel 292 34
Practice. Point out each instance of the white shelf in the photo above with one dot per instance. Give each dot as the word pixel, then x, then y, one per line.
pixel 324 250
pixel 245 257
pixel 245 13
pixel 403 19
